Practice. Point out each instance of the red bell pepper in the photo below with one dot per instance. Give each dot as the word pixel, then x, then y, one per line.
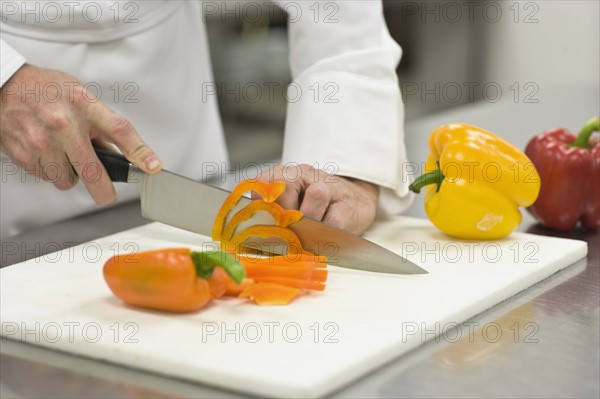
pixel 569 168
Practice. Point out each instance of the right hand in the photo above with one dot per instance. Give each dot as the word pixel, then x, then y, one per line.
pixel 49 132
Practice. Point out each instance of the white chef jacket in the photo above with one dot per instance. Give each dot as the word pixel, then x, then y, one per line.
pixel 157 53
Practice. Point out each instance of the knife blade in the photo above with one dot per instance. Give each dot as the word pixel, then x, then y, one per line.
pixel 191 205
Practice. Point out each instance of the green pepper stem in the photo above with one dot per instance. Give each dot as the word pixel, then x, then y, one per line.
pixel 583 138
pixel 205 263
pixel 435 177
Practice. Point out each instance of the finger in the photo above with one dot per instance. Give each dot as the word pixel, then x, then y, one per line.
pixel 339 215
pixel 33 169
pixel 105 145
pixel 315 201
pixel 115 128
pixel 265 176
pixel 58 171
pixel 91 172
pixel 290 198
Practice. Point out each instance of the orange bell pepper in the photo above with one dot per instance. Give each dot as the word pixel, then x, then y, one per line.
pixel 268 191
pixel 173 279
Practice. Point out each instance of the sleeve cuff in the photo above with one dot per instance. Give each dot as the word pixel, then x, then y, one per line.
pixel 10 62
pixel 352 125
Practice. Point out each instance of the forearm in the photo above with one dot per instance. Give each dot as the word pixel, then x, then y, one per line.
pixel 349 117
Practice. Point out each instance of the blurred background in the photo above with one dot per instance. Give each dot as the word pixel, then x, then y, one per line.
pixel 454 53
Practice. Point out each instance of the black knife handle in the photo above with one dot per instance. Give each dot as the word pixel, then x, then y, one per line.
pixel 115 164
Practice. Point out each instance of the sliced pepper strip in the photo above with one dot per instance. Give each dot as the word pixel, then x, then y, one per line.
pixel 281 216
pixel 256 271
pixel 303 259
pixel 270 294
pixel 293 282
pixel 268 191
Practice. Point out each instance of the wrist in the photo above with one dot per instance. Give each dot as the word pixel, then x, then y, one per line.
pixel 369 188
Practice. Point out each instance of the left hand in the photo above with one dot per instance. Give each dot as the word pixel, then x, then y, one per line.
pixel 343 202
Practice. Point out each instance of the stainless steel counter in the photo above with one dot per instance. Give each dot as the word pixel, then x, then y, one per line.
pixel 550 344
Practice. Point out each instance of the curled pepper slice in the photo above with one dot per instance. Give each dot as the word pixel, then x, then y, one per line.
pixel 273 280
pixel 281 216
pixel 268 191
pixel 173 279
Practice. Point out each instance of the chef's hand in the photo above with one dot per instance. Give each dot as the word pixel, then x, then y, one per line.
pixel 47 123
pixel 349 204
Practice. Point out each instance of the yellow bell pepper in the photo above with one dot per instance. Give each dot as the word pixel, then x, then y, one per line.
pixel 475 181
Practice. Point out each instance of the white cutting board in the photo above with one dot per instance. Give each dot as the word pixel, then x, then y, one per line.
pixel 309 348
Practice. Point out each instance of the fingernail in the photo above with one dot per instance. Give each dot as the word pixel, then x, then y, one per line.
pixel 152 162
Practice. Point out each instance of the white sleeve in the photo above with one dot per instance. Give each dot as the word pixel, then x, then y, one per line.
pixel 345 112
pixel 10 62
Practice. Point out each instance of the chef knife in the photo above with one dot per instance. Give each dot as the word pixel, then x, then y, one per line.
pixel 190 205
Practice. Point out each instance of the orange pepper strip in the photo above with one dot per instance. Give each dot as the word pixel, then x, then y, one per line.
pixel 270 294
pixel 292 282
pixel 281 216
pixel 309 274
pixel 266 231
pixel 304 259
pixel 268 191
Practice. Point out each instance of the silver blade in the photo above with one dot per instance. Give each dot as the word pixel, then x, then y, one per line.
pixel 349 250
pixel 190 205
